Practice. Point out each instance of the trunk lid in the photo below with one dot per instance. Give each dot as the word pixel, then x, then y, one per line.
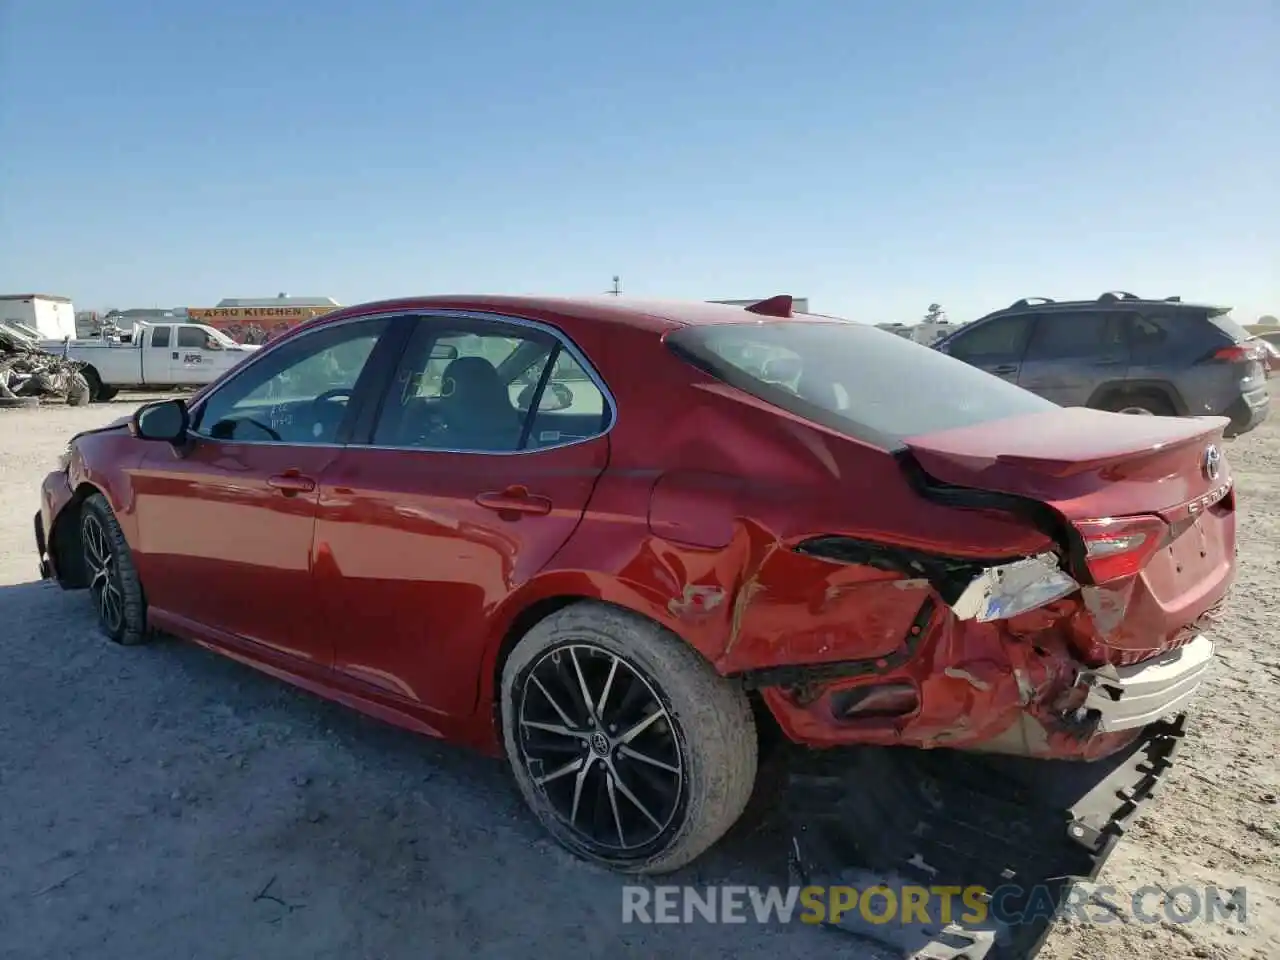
pixel 1086 464
pixel 1149 499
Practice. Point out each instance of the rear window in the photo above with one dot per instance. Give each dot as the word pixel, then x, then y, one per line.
pixel 1228 326
pixel 850 377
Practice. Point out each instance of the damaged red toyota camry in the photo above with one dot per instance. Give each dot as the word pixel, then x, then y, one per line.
pixel 625 543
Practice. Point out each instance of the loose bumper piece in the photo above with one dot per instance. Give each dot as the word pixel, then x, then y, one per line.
pixel 1129 697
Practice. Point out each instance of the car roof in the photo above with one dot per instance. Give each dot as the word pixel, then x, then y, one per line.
pixel 657 316
pixel 1108 301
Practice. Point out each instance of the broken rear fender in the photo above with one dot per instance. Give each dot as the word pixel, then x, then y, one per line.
pixel 830 599
pixel 952 683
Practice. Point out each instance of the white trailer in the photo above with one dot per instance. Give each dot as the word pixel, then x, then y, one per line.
pixel 53 317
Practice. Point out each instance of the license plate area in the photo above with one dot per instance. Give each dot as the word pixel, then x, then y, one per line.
pixel 1195 552
pixel 1183 577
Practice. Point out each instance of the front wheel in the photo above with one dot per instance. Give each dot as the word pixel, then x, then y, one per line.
pixel 624 741
pixel 113 581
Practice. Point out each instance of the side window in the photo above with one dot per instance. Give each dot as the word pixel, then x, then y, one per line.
pixel 1071 336
pixel 571 407
pixel 1149 337
pixel 468 385
pixel 1001 339
pixel 458 386
pixel 297 393
pixel 191 337
pixel 160 337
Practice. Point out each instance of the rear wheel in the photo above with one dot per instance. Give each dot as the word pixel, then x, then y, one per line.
pixel 1142 404
pixel 630 749
pixel 113 581
pixel 99 392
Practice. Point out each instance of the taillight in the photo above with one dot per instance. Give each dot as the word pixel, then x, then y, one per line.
pixel 1009 589
pixel 1239 353
pixel 1120 547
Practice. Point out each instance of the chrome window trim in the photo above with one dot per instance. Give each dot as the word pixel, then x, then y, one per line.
pixel 438 313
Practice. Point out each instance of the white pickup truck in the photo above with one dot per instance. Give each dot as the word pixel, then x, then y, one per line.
pixel 153 356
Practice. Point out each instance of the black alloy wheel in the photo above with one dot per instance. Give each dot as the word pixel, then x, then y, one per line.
pixel 603 749
pixel 110 575
pixel 103 572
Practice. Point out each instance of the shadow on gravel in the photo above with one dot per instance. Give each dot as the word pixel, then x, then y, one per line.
pixel 164 793
pixel 164 801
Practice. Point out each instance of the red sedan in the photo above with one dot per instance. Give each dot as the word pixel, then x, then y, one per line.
pixel 622 542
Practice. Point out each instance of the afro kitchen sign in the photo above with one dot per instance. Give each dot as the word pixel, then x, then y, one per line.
pixel 255 324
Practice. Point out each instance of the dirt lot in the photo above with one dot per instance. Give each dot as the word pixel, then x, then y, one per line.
pixel 165 802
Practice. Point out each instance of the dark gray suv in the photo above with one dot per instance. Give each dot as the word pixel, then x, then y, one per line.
pixel 1123 353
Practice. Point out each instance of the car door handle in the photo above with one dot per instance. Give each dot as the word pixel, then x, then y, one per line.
pixel 175 356
pixel 515 501
pixel 291 484
pixel 1005 368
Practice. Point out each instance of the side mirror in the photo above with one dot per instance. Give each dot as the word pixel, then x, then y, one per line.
pixel 782 369
pixel 211 344
pixel 526 397
pixel 555 397
pixel 164 420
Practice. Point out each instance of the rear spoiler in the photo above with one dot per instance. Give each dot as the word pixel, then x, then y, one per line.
pixel 779 306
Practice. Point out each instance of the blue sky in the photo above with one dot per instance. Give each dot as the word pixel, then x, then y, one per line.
pixel 873 156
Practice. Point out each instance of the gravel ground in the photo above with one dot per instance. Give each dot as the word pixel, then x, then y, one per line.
pixel 166 802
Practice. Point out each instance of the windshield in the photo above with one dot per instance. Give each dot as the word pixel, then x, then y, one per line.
pixel 221 337
pixel 864 382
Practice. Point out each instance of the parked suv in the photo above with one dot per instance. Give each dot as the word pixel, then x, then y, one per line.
pixel 1123 353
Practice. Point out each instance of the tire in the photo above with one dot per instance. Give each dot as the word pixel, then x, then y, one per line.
pixel 113 580
pixel 107 394
pixel 95 383
pixel 1140 404
pixel 701 748
pixel 78 392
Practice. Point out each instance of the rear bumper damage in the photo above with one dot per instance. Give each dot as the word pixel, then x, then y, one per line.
pixel 965 678
pixel 960 686
pixel 1021 830
pixel 1125 698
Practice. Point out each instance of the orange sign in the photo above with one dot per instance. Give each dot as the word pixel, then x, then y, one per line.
pixel 254 324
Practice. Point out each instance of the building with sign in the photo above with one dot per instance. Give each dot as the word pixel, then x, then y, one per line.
pixel 280 300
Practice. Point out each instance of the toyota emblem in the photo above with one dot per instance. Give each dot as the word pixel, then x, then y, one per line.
pixel 1212 462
